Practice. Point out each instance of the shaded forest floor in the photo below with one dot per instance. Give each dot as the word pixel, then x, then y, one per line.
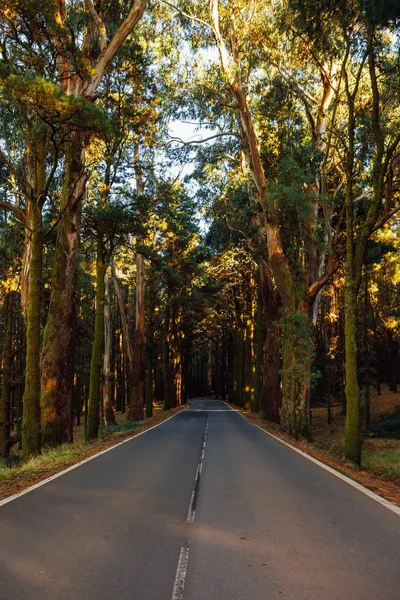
pixel 380 469
pixel 16 476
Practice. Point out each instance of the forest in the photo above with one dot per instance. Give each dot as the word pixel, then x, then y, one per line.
pixel 199 199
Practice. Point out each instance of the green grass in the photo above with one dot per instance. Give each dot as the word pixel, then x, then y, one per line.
pixel 383 462
pixel 122 427
pixel 49 459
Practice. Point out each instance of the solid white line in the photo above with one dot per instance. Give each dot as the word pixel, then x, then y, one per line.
pixel 393 507
pixel 82 462
pixel 181 571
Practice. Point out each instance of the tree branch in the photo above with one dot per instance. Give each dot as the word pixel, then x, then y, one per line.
pixel 187 15
pixel 212 137
pixel 99 23
pixel 109 52
pixel 14 209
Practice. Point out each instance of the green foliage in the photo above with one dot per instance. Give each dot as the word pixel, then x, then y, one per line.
pixel 119 428
pixel 46 100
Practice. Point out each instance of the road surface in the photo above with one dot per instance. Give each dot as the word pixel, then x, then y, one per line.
pixel 203 507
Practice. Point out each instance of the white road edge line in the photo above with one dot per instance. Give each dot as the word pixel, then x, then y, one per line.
pixel 181 571
pixel 82 462
pixel 389 505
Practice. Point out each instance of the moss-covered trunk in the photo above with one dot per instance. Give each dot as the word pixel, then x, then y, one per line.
pixel 31 442
pixel 93 416
pixel 296 372
pixel 352 449
pixel 58 352
pixel 6 377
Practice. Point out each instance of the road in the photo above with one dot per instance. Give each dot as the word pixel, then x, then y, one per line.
pixel 202 507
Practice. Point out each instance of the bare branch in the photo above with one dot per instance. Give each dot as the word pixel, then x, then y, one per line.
pixel 297 87
pixel 14 209
pixel 109 52
pixel 187 15
pixel 212 137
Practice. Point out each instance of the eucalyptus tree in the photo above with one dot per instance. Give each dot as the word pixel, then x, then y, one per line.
pixel 86 37
pixel 41 117
pixel 293 56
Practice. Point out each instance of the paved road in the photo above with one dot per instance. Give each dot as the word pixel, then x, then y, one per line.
pixel 255 521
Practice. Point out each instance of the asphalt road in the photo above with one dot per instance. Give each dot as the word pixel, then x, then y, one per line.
pixel 203 507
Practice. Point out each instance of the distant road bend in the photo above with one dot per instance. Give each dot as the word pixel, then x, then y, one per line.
pixel 203 507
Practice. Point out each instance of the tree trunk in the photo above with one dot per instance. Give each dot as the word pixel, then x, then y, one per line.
pixel 109 416
pixel 60 334
pixel 136 405
pixel 124 319
pixel 296 372
pixel 31 442
pixel 93 420
pixel 352 448
pixel 150 379
pixel 271 394
pixel 166 356
pixel 5 397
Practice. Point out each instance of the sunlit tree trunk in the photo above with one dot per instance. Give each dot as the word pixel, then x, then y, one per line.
pixel 59 341
pixel 60 334
pixel 31 438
